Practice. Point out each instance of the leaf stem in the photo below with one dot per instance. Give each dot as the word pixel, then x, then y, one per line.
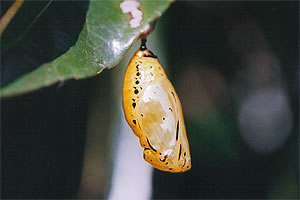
pixel 9 15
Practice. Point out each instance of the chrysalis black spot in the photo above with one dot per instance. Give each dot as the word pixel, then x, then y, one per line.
pixel 134 121
pixel 133 105
pixel 163 160
pixel 151 146
pixel 177 130
pixel 136 91
pixel 179 152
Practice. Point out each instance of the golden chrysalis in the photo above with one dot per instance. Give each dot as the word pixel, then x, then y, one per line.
pixel 153 111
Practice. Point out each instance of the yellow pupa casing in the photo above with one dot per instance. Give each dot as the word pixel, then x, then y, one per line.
pixel 153 111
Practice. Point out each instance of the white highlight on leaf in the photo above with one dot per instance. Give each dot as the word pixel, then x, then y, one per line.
pixel 131 7
pixel 116 46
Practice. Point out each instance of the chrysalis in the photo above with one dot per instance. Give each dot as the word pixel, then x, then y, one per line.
pixel 153 111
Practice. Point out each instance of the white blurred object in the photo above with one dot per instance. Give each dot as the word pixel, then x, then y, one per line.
pixel 132 176
pixel 265 119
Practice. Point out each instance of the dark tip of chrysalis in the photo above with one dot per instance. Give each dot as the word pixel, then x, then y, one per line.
pixel 146 52
pixel 143 44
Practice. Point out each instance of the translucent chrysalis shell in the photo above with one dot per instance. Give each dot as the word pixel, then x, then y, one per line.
pixel 153 111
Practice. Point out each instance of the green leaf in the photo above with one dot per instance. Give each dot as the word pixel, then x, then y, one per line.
pixel 103 41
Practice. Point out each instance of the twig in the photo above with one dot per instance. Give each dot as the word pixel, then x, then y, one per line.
pixel 9 15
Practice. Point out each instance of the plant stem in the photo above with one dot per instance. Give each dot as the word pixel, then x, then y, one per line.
pixel 9 15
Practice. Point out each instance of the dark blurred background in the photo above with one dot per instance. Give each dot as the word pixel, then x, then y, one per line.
pixel 235 66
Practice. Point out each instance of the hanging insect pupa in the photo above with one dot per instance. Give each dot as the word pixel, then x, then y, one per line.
pixel 153 111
